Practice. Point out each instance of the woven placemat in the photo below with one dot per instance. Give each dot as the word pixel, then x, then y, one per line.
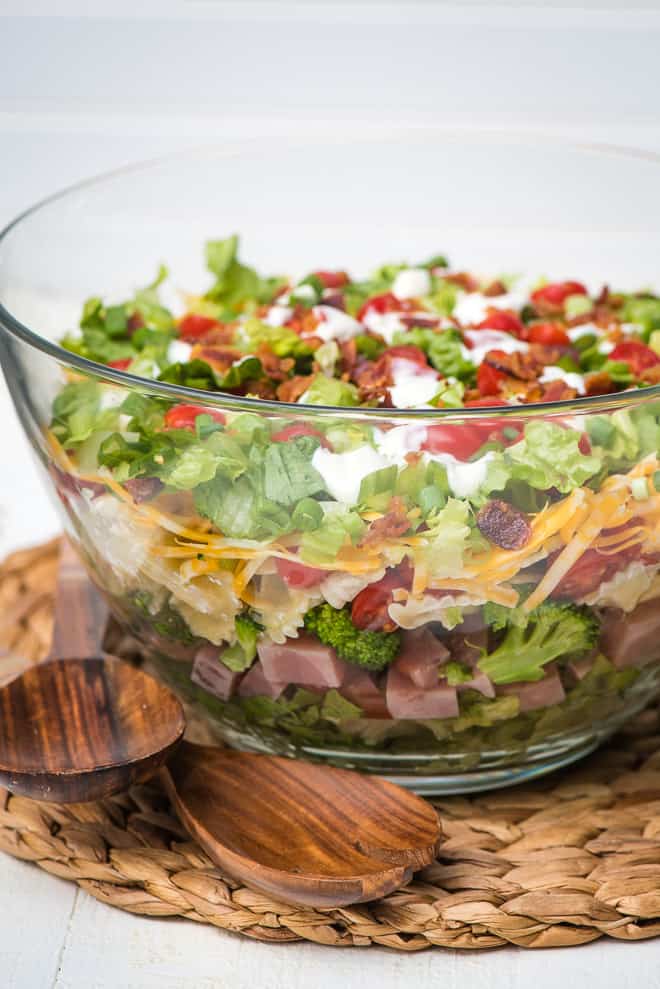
pixel 560 862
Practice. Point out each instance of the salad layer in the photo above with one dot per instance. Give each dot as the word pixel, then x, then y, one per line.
pixel 462 587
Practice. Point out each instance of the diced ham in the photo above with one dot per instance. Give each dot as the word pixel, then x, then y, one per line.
pixel 632 639
pixel 359 687
pixel 406 700
pixel 578 669
pixel 420 657
pixel 468 647
pixel 304 660
pixel 540 693
pixel 255 683
pixel 208 672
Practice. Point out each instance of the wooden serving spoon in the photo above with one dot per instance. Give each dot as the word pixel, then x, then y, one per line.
pixel 88 725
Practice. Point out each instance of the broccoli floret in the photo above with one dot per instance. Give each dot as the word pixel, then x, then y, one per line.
pixel 530 641
pixel 333 626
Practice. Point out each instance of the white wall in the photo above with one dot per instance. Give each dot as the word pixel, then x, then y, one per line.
pixel 84 86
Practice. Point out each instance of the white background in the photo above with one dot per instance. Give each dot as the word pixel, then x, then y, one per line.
pixel 89 86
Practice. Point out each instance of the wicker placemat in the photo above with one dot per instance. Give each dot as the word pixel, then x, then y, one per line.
pixel 561 862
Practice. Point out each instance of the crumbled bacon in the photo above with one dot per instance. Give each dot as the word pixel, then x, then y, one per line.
pixel 558 391
pixel 503 524
pixel 427 322
pixel 598 383
pixel 348 355
pixel 220 334
pixel 291 390
pixel 650 375
pixel 394 523
pixel 277 368
pixel 462 279
pixel 523 366
pixel 220 358
pixel 494 289
pixel 373 379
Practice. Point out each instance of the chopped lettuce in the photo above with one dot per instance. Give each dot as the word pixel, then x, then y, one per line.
pixel 331 391
pixel 444 351
pixel 549 456
pixel 236 284
pixel 241 655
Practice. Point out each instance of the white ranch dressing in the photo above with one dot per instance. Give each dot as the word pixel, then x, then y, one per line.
pixel 411 283
pixel 178 351
pixel 484 340
pixel 464 479
pixel 413 386
pixel 343 473
pixel 334 324
pixel 472 307
pixel 571 378
pixel 278 315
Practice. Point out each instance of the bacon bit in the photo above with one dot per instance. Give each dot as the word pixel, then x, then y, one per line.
pixel 558 391
pixel 504 525
pixel 335 300
pixel 291 390
pixel 598 383
pixel 303 321
pixel 261 387
pixel 547 354
pixel 143 488
pixel 427 322
pixel 651 375
pixel 462 279
pixel 524 367
pixel 373 378
pixel 348 355
pixel 494 289
pixel 219 334
pixel 394 523
pixel 276 368
pixel 220 358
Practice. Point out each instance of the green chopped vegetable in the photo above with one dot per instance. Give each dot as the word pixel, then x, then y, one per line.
pixel 371 650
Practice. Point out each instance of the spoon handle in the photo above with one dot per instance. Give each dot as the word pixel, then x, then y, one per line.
pixel 81 614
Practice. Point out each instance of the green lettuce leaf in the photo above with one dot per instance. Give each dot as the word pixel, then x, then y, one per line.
pixel 331 391
pixel 549 456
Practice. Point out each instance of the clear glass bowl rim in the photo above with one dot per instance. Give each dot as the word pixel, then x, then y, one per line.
pixel 595 403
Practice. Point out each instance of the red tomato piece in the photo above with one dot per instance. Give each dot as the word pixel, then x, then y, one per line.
pixel 183 416
pixel 461 440
pixel 504 320
pixel 408 352
pixel 193 326
pixel 380 304
pixel 489 379
pixel 120 365
pixel 299 575
pixel 300 429
pixel 549 334
pixel 477 403
pixel 556 293
pixel 332 279
pixel 584 444
pixel 369 609
pixel 637 355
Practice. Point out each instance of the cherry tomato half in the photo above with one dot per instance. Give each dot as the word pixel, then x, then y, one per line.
pixel 489 379
pixel 637 355
pixel 555 294
pixel 461 440
pixel 504 320
pixel 183 416
pixel 380 304
pixel 120 365
pixel 193 326
pixel 332 279
pixel 548 334
pixel 300 429
pixel 298 575
pixel 369 608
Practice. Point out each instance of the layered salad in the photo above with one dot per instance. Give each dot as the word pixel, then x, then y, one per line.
pixel 326 571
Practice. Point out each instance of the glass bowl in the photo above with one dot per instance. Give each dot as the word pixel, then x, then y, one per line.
pixel 494 203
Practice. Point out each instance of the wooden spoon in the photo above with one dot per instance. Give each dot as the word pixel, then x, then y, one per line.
pixel 82 727
pixel 83 724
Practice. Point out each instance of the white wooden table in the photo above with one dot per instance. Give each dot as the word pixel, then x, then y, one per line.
pixel 101 84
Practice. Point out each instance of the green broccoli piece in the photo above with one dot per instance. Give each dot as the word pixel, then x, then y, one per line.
pixel 371 650
pixel 531 640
